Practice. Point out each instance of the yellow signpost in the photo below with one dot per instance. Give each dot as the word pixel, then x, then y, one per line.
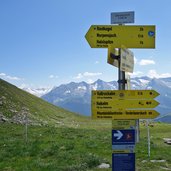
pixel 124 94
pixel 103 36
pixel 112 53
pixel 126 59
pixel 123 124
pixel 124 114
pixel 122 106
pixel 123 103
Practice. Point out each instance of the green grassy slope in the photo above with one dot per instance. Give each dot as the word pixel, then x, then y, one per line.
pixel 159 150
pixel 75 149
pixel 14 100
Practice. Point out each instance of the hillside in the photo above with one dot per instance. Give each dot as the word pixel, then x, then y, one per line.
pixel 15 104
pixel 166 118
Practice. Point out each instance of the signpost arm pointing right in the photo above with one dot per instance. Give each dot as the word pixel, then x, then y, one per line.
pixel 118 135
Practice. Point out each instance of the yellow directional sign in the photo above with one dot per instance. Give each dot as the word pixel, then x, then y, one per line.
pixel 112 53
pixel 123 104
pixel 103 36
pixel 123 94
pixel 124 124
pixel 124 114
pixel 126 59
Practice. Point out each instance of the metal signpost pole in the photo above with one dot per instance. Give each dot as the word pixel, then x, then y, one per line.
pixel 121 74
pixel 26 127
pixel 148 135
pixel 121 86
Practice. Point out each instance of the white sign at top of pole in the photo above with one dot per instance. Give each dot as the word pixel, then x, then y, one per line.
pixel 122 17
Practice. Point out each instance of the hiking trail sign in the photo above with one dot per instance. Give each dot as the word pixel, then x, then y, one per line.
pixel 126 59
pixel 124 104
pixel 124 94
pixel 124 114
pixel 103 36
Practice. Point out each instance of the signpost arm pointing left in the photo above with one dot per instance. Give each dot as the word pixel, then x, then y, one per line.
pixel 89 36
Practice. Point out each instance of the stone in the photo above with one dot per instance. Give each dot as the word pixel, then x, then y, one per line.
pixel 158 161
pixel 167 141
pixel 104 166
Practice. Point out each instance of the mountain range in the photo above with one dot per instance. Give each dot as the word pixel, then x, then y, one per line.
pixel 37 91
pixel 76 97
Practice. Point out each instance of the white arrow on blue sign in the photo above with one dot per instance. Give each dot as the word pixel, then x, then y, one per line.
pixel 123 137
pixel 118 135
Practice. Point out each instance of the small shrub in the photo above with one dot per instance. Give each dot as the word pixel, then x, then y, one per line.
pixel 92 160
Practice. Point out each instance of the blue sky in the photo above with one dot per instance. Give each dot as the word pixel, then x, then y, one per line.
pixel 42 42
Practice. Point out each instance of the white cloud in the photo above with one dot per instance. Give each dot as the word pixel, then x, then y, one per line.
pixel 79 76
pixel 154 74
pixel 13 78
pixel 90 81
pixel 91 74
pixel 87 74
pixel 8 77
pixel 53 76
pixel 97 62
pixel 2 74
pixel 146 62
pixel 135 60
pixel 136 74
pixel 22 86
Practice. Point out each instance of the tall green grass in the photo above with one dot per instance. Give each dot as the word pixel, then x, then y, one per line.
pixel 75 149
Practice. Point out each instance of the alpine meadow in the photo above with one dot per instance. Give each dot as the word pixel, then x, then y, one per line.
pixel 60 140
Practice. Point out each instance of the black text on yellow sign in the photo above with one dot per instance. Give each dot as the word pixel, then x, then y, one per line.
pixel 123 104
pixel 123 94
pixel 103 36
pixel 124 124
pixel 124 114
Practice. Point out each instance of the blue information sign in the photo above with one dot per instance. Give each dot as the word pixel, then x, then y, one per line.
pixel 123 137
pixel 123 162
pixel 130 148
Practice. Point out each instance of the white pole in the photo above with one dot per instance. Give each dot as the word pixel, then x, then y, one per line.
pixel 26 127
pixel 148 135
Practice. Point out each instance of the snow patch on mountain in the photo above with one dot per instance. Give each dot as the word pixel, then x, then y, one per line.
pixel 67 92
pixel 113 87
pixel 144 82
pixel 37 91
pixel 149 88
pixel 94 86
pixel 58 100
pixel 81 88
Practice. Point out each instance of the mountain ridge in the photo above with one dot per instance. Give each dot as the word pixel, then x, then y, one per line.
pixel 76 97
